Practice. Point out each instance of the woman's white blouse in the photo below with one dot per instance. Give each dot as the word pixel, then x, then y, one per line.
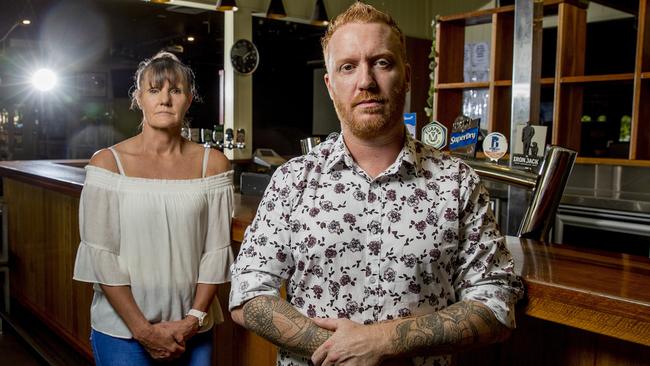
pixel 160 237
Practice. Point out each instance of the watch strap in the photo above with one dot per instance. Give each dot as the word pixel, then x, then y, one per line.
pixel 200 315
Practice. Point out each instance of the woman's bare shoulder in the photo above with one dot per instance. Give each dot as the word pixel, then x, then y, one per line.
pixel 217 163
pixel 104 159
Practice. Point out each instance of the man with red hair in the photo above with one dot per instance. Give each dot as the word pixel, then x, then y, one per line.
pixel 388 248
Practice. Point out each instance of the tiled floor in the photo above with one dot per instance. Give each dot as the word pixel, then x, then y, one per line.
pixel 15 352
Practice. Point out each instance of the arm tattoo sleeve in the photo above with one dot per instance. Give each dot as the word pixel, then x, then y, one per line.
pixel 279 322
pixel 459 326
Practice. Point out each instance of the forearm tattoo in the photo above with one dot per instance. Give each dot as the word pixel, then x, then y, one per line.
pixel 280 323
pixel 459 326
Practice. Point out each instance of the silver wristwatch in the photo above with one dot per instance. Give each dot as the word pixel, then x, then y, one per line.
pixel 200 315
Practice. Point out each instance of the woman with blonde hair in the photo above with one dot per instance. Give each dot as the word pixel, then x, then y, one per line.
pixel 154 223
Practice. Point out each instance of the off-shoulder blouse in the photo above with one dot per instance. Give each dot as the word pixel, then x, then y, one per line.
pixel 160 237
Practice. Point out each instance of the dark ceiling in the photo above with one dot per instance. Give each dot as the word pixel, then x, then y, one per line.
pixel 126 29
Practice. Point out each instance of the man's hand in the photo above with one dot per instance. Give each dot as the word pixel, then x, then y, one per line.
pixel 159 341
pixel 351 343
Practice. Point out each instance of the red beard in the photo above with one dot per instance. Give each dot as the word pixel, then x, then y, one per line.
pixel 369 122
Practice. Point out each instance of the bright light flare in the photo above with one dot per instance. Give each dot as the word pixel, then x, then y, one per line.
pixel 191 39
pixel 44 80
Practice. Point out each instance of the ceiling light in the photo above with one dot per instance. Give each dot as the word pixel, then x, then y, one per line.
pixel 276 10
pixel 319 15
pixel 227 5
pixel 17 24
pixel 44 80
pixel 190 39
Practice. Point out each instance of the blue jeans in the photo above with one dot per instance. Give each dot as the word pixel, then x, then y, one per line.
pixel 112 351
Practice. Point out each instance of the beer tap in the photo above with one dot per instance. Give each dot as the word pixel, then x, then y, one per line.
pixel 235 142
pixel 240 141
pixel 229 139
pixel 547 187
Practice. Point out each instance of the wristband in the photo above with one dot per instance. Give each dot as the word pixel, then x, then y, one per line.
pixel 200 315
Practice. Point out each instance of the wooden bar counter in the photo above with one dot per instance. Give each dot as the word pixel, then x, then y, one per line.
pixel 582 307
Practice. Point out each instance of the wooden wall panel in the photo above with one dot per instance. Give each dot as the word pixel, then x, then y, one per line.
pixel 417 52
pixel 26 237
pixel 570 61
pixel 640 138
pixel 643 40
pixel 499 110
pixel 640 135
pixel 503 25
pixel 43 241
pixel 539 343
pixel 450 41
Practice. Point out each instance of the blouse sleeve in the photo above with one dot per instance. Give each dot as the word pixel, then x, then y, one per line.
pixel 217 255
pixel 98 257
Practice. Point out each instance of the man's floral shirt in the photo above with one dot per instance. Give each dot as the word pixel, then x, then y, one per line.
pixel 413 240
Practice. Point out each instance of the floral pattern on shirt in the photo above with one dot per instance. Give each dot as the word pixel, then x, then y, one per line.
pixel 414 240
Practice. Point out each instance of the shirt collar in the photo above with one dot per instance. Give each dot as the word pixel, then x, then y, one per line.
pixel 411 150
pixel 339 153
pixel 408 156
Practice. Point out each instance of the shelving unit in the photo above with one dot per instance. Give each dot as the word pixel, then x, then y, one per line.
pixel 596 78
pixel 569 81
pixel 640 146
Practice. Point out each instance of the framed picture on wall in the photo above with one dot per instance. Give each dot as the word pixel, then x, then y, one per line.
pixel 91 84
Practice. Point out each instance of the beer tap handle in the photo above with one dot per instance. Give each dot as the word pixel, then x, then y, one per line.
pixel 240 141
pixel 229 139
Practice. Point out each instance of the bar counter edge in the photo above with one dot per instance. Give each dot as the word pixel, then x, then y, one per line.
pixel 584 293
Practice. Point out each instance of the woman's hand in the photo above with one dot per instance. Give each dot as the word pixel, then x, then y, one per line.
pixel 160 342
pixel 181 330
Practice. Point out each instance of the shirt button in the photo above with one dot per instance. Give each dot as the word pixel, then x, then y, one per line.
pixel 372 280
pixel 374 227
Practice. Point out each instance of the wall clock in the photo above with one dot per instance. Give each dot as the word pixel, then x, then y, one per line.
pixel 244 56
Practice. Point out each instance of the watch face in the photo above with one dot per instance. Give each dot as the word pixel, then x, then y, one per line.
pixel 244 56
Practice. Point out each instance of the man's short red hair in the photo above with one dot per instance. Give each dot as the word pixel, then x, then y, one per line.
pixel 362 13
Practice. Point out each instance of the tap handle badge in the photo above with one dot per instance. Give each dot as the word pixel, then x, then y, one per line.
pixel 464 136
pixel 528 147
pixel 434 134
pixel 495 146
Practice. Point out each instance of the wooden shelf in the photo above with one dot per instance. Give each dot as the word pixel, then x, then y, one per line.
pixel 570 86
pixel 503 83
pixel 596 78
pixel 477 17
pixel 547 81
pixel 612 161
pixel 473 85
pixel 485 16
pixel 543 81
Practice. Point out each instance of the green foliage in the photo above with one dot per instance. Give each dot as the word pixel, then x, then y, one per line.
pixel 432 67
